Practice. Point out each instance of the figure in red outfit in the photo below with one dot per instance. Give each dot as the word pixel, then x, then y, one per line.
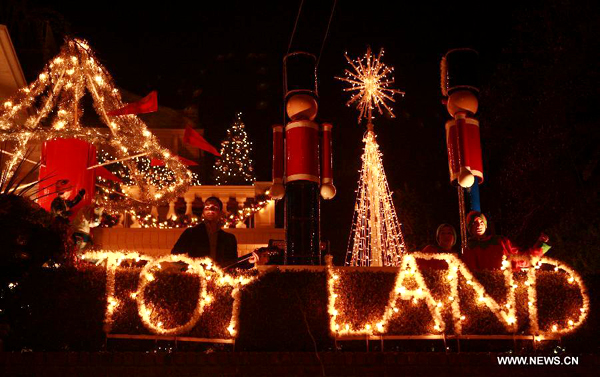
pixel 485 252
pixel 445 236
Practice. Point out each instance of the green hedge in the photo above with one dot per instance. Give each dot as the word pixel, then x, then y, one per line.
pixel 64 308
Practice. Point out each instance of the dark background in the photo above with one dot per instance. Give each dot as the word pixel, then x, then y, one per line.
pixel 539 73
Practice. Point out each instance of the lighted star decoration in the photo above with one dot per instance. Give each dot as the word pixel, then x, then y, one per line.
pixel 369 84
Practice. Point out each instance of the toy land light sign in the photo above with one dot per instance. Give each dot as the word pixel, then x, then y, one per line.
pixel 153 317
pixel 448 313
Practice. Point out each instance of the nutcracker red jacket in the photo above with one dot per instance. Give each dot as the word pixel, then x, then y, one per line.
pixel 194 242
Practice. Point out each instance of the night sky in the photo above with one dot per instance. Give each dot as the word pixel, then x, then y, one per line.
pixel 227 57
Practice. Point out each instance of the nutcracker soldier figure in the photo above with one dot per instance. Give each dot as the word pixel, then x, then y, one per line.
pixel 299 175
pixel 460 87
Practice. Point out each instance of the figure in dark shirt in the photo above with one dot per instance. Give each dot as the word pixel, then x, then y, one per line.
pixel 61 205
pixel 207 239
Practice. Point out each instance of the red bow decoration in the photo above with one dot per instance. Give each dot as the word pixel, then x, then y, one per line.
pixel 148 104
pixel 193 138
pixel 101 171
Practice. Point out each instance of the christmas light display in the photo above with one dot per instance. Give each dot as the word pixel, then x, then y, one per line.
pixel 235 165
pixel 505 312
pixel 204 268
pixel 115 198
pixel 157 175
pixel 370 82
pixel 111 195
pixel 409 290
pixel 376 238
pixel 60 86
pixel 243 214
pixel 146 220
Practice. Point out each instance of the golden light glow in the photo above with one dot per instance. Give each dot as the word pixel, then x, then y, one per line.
pixel 146 219
pixel 146 310
pixel 156 176
pixel 505 312
pixel 235 165
pixel 61 86
pixel 409 286
pixel 205 270
pixel 369 82
pixel 376 237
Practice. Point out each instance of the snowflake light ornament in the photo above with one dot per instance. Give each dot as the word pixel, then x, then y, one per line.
pixel 369 84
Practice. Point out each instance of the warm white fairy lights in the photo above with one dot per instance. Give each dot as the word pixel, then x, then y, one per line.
pixel 532 298
pixel 408 271
pixel 332 277
pixel 114 205
pixel 112 260
pixel 376 238
pixel 411 271
pixel 505 312
pixel 147 220
pixel 369 83
pixel 235 165
pixel 146 310
pixel 205 270
pixel 409 288
pixel 245 213
pixel 61 86
pixel 572 278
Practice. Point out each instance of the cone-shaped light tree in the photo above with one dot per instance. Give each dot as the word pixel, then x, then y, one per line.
pixel 376 238
pixel 50 108
pixel 235 166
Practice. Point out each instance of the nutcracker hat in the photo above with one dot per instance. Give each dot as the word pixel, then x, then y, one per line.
pixel 473 215
pixel 439 229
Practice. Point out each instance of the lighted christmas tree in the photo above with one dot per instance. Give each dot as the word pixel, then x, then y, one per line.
pixel 376 238
pixel 235 165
